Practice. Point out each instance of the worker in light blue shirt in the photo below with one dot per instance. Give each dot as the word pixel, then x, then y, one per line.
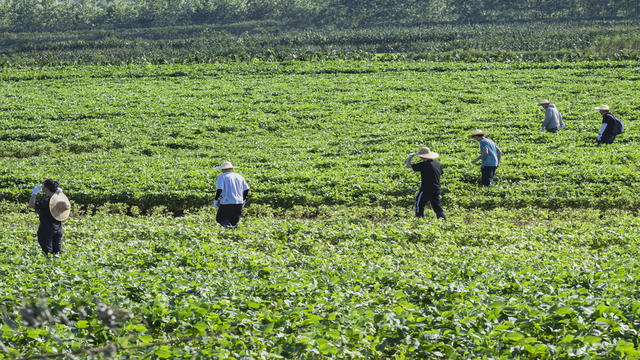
pixel 490 155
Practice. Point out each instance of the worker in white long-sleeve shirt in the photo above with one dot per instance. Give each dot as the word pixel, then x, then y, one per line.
pixel 231 193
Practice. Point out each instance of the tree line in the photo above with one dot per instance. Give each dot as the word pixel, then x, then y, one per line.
pixel 58 15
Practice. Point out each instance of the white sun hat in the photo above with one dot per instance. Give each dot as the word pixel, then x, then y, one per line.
pixel 225 165
pixel 602 107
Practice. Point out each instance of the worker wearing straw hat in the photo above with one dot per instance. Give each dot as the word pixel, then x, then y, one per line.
pixel 611 126
pixel 430 172
pixel 552 118
pixel 490 155
pixel 53 209
pixel 231 193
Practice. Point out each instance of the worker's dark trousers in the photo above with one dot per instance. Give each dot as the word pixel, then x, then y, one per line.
pixel 50 241
pixel 488 172
pixel 421 200
pixel 609 139
pixel 229 215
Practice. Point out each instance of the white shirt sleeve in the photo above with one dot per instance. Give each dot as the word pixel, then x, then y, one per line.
pixel 219 182
pixel 602 128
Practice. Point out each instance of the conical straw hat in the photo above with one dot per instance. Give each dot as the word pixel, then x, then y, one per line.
pixel 476 132
pixel 59 206
pixel 427 154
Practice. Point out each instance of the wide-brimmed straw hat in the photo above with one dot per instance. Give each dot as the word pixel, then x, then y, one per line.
pixel 476 132
pixel 603 107
pixel 544 102
pixel 427 154
pixel 225 165
pixel 59 206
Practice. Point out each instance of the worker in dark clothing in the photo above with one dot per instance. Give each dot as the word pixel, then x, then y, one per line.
pixel 611 126
pixel 430 172
pixel 53 209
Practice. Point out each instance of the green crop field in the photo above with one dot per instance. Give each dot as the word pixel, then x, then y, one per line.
pixel 329 261
pixel 316 134
pixel 480 285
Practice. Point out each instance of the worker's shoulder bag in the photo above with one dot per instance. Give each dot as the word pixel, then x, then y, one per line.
pixel 618 125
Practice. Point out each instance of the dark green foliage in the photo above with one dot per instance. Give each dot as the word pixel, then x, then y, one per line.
pixel 275 41
pixel 47 15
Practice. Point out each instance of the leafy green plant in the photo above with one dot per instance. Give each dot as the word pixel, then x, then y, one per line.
pixel 163 287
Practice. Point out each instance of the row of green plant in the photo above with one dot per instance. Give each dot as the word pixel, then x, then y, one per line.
pixel 311 134
pixel 273 41
pixel 528 284
pixel 48 15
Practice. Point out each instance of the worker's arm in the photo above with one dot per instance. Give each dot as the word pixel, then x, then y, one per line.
pixel 32 200
pixel 483 155
pixel 602 129
pixel 547 119
pixel 215 201
pixel 409 158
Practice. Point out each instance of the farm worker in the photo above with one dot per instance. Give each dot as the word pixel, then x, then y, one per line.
pixel 430 172
pixel 490 155
pixel 234 190
pixel 53 209
pixel 611 126
pixel 552 118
